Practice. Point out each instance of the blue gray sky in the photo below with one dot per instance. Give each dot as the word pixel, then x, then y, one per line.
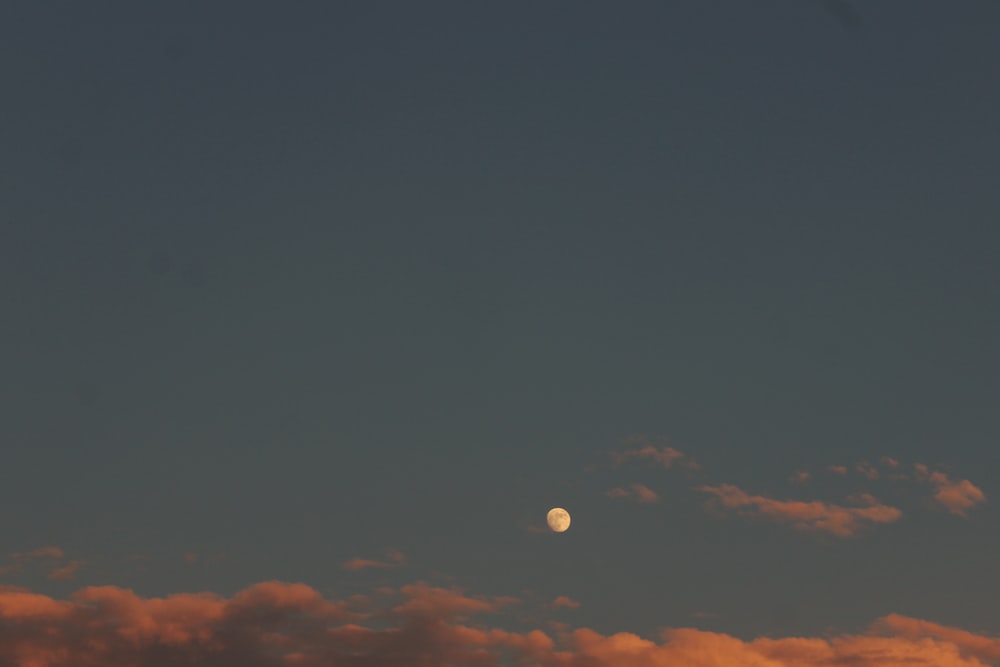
pixel 287 285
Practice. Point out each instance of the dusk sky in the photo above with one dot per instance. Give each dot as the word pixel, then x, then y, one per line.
pixel 312 310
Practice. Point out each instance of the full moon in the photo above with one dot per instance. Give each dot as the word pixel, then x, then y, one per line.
pixel 558 519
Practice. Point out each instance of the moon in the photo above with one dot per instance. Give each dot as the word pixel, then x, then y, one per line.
pixel 558 520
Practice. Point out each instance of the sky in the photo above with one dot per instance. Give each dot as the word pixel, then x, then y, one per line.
pixel 311 311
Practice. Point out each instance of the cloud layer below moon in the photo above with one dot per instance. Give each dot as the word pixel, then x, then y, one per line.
pixel 275 624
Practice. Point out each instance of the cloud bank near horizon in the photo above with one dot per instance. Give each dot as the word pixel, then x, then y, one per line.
pixel 277 624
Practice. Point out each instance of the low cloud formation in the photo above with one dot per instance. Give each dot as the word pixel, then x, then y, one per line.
pixel 958 497
pixel 276 624
pixel 66 572
pixel 393 558
pixel 640 492
pixel 19 559
pixel 43 552
pixel 811 516
pixel 563 601
pixel 983 647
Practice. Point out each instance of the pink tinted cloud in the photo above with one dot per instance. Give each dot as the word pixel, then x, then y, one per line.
pixel 393 558
pixel 563 601
pixel 958 497
pixel 275 624
pixel 810 516
pixel 867 470
pixel 66 572
pixel 800 477
pixel 640 492
pixel 43 552
pixel 981 646
pixel 837 470
pixel 643 449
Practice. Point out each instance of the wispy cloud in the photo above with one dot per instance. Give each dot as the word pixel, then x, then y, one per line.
pixel 837 470
pixel 867 470
pixel 276 624
pixel 641 448
pixel 563 601
pixel 800 477
pixel 393 558
pixel 640 492
pixel 43 552
pixel 958 497
pixel 811 516
pixel 65 573
pixel 19 559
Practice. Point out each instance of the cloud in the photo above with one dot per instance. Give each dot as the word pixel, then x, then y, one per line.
pixel 640 492
pixel 643 449
pixel 43 552
pixel 275 624
pixel 394 558
pixel 985 648
pixel 868 470
pixel 810 516
pixel 837 470
pixel 958 497
pixel 66 572
pixel 889 462
pixel 666 456
pixel 800 477
pixel 563 601
pixel 19 559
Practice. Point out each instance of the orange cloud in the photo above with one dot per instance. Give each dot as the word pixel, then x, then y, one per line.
pixel 640 492
pixel 889 462
pixel 665 457
pixel 394 558
pixel 800 477
pixel 65 573
pixel 986 648
pixel 276 624
pixel 956 497
pixel 837 470
pixel 812 516
pixel 563 601
pixel 866 469
pixel 643 449
pixel 43 552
